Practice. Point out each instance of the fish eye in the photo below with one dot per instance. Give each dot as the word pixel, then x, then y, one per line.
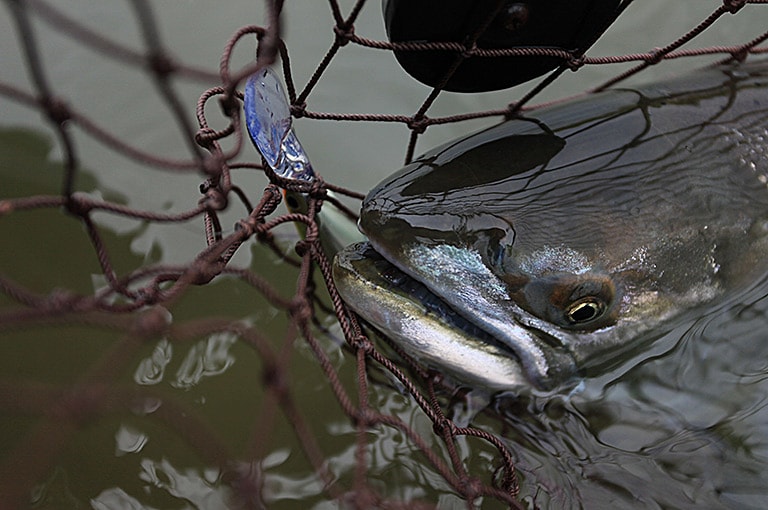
pixel 579 302
pixel 585 310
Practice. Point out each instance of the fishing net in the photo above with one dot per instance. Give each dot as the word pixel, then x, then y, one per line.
pixel 231 376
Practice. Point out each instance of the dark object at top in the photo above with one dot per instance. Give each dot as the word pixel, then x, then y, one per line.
pixel 571 25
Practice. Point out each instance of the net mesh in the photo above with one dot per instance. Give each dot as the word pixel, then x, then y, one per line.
pixel 136 306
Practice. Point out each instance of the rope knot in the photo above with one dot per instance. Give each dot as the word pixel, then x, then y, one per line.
pixel 575 62
pixel 344 35
pixel 445 425
pixel 362 343
pixel 365 417
pixel 734 6
pixel 77 206
pixel 300 310
pixel 740 55
pixel 471 488
pixel 250 225
pixel 418 125
pixel 56 109
pixel 655 56
pixel 299 110
pixel 205 136
pixel 215 200
pixel 161 65
pixel 302 247
pixel 467 53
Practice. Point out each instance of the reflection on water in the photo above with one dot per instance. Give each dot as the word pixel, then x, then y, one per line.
pixel 684 428
pixel 129 440
pixel 685 425
pixel 152 368
pixel 206 359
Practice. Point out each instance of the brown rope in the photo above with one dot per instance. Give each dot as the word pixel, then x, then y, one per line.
pixel 135 304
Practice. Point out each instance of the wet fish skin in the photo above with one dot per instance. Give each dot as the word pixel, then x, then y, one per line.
pixel 414 319
pixel 632 205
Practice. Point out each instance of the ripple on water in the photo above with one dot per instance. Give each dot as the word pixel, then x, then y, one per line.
pixel 685 425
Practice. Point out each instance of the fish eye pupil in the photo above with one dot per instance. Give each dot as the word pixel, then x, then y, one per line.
pixel 584 310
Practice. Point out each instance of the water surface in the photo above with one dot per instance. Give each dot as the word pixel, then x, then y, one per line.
pixel 686 424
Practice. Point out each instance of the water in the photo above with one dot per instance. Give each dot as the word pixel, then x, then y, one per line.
pixel 686 420
pixel 682 427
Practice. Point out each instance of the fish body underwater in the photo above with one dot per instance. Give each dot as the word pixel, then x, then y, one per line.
pixel 551 247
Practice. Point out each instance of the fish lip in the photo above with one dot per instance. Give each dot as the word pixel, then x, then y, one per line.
pixel 434 303
pixel 560 366
pixel 546 360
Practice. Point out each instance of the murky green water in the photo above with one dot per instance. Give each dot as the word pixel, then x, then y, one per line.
pixel 684 425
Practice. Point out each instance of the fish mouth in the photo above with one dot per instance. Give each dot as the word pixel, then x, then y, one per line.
pixel 430 329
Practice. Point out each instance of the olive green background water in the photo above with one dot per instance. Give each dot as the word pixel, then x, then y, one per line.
pixel 636 433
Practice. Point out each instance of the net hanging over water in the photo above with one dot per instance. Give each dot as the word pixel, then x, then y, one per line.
pixel 234 375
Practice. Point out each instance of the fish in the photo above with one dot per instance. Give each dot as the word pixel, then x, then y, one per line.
pixel 557 245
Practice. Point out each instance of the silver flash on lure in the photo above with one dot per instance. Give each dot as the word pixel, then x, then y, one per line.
pixel 268 120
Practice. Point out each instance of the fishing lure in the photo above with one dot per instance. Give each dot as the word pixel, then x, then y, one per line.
pixel 268 120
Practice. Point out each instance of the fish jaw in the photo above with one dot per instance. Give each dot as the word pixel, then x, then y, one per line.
pixel 505 356
pixel 470 288
pixel 653 200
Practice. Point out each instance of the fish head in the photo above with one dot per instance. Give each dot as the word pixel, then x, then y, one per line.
pixel 572 238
